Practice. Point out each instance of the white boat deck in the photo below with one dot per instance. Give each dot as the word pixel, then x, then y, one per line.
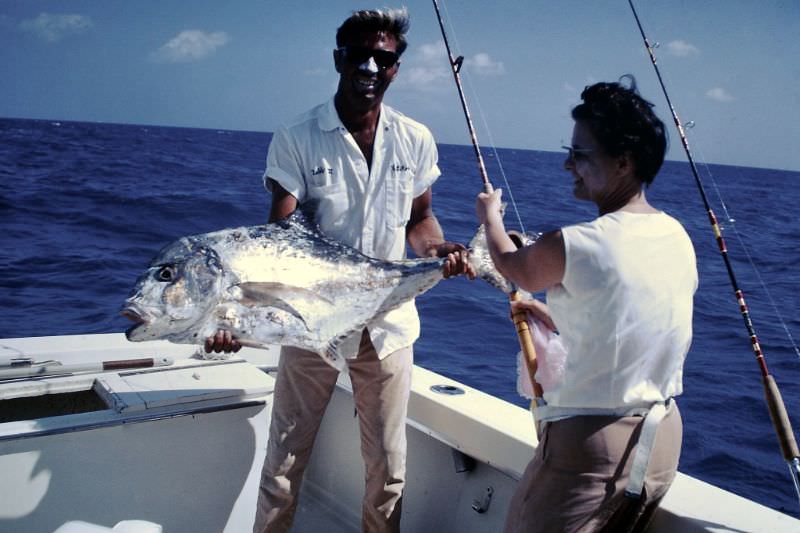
pixel 182 447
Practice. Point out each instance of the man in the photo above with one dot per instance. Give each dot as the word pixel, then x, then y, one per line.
pixel 370 171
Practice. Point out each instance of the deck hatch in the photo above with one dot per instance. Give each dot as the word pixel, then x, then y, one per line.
pixel 234 380
pixel 49 405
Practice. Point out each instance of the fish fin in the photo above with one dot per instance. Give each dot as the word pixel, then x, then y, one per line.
pixel 482 262
pixel 286 297
pixel 333 354
pixel 303 219
pixel 334 358
pixel 259 291
pixel 305 216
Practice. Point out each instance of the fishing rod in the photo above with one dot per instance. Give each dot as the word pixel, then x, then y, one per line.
pixel 455 65
pixel 777 409
pixel 27 368
pixel 520 316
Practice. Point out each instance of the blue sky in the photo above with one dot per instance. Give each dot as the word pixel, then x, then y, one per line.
pixel 731 66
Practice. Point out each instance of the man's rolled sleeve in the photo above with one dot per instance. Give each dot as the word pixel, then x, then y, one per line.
pixel 428 164
pixel 283 165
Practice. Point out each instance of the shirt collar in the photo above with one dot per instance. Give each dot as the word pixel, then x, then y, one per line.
pixel 329 118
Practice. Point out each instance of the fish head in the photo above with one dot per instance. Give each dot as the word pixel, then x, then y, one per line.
pixel 176 291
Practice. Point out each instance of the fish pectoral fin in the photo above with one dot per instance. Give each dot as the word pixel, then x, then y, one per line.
pixel 293 300
pixel 266 292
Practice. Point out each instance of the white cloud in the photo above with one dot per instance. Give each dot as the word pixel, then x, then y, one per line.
pixel 425 77
pixel 426 67
pixel 483 65
pixel 720 95
pixel 53 27
pixel 432 52
pixel 191 45
pixel 682 48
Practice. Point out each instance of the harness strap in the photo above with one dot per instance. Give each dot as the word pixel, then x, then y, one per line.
pixel 644 449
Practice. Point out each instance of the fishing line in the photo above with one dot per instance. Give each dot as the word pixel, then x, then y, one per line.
pixel 520 315
pixel 482 115
pixel 777 409
pixel 732 225
pixel 497 157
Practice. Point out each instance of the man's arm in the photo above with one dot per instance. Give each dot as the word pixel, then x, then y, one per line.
pixel 283 203
pixel 425 236
pixel 423 232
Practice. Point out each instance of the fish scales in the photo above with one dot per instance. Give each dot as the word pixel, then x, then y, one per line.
pixel 283 283
pixel 280 283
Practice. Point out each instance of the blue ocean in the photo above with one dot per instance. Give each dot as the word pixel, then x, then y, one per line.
pixel 85 206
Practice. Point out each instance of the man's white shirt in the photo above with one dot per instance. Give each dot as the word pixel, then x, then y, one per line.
pixel 315 158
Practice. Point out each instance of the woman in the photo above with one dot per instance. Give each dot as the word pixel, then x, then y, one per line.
pixel 619 291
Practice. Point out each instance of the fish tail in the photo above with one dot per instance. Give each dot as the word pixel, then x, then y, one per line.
pixel 481 260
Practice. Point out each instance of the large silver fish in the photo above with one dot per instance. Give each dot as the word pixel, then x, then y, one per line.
pixel 282 283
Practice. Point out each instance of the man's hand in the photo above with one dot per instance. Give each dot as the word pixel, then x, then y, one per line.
pixel 222 341
pixel 456 255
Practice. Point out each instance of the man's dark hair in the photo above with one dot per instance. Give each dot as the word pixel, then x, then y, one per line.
pixel 393 21
pixel 622 121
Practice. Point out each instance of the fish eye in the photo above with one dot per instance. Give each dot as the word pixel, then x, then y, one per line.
pixel 166 273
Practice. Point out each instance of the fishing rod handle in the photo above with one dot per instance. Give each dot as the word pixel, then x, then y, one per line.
pixel 124 364
pixel 520 317
pixel 780 419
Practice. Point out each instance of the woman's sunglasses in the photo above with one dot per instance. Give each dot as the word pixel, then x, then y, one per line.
pixel 358 55
pixel 576 153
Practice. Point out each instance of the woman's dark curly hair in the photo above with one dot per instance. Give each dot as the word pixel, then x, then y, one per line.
pixel 622 121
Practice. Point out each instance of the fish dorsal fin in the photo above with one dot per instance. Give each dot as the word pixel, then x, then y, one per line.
pixel 297 301
pixel 305 216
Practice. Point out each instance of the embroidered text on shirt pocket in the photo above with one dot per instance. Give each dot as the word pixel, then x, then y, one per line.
pixel 321 174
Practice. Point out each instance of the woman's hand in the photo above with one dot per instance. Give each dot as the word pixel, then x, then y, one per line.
pixel 537 309
pixel 488 206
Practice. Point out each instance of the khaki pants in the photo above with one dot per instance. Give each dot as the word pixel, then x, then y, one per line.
pixel 303 387
pixel 576 481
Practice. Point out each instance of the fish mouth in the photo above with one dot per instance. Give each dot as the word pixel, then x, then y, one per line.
pixel 134 315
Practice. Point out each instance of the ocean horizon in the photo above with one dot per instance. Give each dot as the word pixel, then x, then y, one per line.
pixel 87 205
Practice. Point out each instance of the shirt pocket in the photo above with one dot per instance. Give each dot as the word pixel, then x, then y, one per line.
pixel 332 206
pixel 399 198
pixel 322 174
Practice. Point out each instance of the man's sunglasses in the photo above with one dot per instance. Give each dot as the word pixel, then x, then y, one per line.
pixel 358 55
